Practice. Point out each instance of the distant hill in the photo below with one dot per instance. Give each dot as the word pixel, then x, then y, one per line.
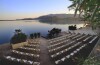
pixel 51 17
pixel 63 15
pixel 54 17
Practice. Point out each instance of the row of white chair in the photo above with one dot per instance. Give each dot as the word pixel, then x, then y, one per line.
pixel 21 60
pixel 93 39
pixel 53 45
pixel 62 38
pixel 27 48
pixel 77 36
pixel 70 55
pixel 31 46
pixel 58 37
pixel 65 50
pixel 53 42
pixel 50 46
pixel 62 45
pixel 24 53
pixel 57 48
pixel 87 38
pixel 72 35
pixel 81 37
pixel 51 50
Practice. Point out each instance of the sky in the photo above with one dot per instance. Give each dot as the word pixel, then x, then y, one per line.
pixel 16 9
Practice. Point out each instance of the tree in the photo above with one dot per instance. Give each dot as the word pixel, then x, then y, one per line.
pixel 90 9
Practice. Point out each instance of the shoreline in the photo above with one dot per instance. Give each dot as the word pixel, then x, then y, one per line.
pixel 85 30
pixel 43 55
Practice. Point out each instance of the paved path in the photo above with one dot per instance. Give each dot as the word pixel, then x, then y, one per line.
pixel 44 54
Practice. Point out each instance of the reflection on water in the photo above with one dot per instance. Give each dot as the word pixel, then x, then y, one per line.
pixel 7 27
pixel 62 21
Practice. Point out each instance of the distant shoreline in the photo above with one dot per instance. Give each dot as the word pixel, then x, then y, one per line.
pixel 7 20
pixel 48 17
pixel 16 20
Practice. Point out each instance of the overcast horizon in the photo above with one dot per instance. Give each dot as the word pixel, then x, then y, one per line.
pixel 16 9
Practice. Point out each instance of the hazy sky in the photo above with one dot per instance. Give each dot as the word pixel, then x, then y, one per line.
pixel 12 9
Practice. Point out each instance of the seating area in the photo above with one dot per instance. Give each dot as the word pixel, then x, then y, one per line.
pixel 70 55
pixel 27 55
pixel 64 49
pixel 18 61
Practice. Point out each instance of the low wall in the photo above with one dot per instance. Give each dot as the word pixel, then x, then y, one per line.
pixel 14 46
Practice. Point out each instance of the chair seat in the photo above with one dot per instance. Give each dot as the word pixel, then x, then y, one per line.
pixel 72 54
pixel 57 62
pixel 68 56
pixel 30 62
pixel 63 59
pixel 36 63
pixel 18 60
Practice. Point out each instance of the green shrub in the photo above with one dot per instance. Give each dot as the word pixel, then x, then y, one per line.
pixel 92 61
pixel 18 37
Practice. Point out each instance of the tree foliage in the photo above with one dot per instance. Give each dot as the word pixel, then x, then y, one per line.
pixel 53 33
pixel 18 37
pixel 90 9
pixel 35 35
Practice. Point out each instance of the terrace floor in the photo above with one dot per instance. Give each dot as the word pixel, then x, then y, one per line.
pixel 85 30
pixel 45 58
pixel 44 54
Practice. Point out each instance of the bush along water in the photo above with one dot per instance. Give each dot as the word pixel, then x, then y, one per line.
pixel 53 33
pixel 35 35
pixel 18 37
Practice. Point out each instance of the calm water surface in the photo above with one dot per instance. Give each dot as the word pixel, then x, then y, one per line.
pixel 7 28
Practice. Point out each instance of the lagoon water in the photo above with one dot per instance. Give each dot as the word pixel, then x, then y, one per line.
pixel 7 28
